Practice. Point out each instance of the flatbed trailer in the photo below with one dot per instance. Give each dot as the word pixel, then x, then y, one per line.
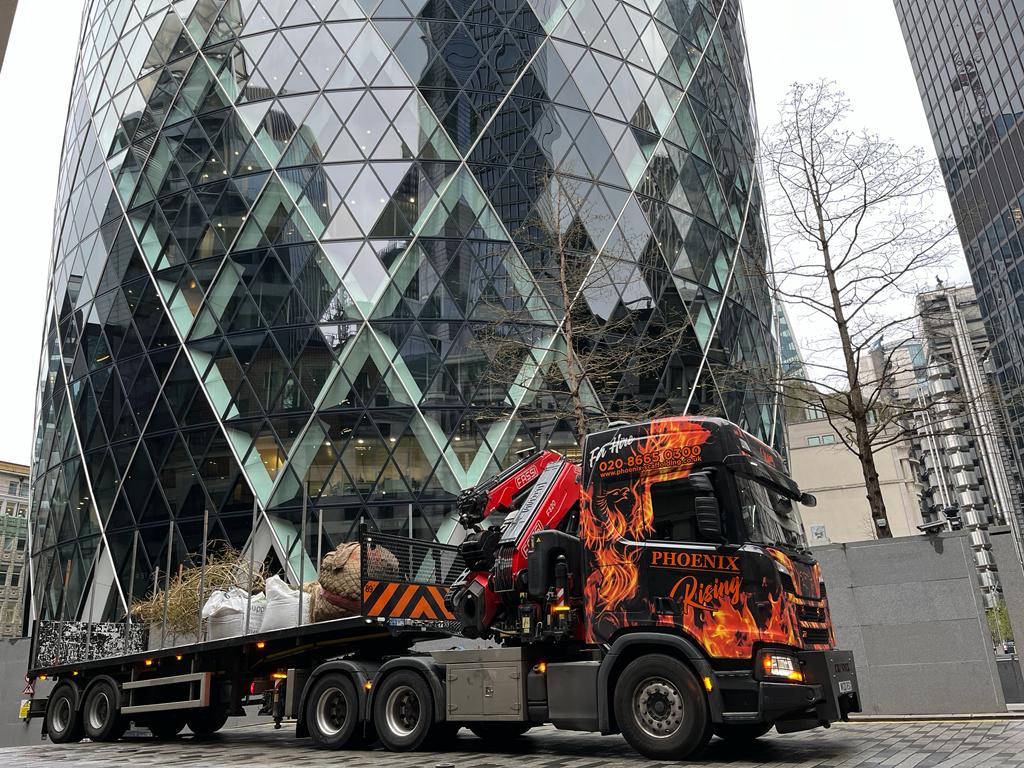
pixel 711 635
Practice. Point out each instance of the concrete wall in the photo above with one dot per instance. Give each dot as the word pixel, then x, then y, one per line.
pixel 13 663
pixel 911 612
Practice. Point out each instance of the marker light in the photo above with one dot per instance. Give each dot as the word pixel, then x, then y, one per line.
pixel 541 667
pixel 261 645
pixel 148 662
pixel 280 676
pixel 367 685
pixel 707 684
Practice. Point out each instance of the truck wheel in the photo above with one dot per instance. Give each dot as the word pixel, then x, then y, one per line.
pixel 167 727
pixel 661 709
pixel 403 711
pixel 499 733
pixel 100 716
pixel 206 722
pixel 741 733
pixel 63 720
pixel 332 711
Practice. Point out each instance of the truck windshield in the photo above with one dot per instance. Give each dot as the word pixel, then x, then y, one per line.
pixel 768 517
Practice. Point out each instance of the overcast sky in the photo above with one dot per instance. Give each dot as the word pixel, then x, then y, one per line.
pixel 855 42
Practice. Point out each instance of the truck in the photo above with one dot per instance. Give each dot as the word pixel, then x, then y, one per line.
pixel 659 587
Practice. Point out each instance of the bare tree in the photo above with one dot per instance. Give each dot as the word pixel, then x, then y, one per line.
pixel 854 241
pixel 574 328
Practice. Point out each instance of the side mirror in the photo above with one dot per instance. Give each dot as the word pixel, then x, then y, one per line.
pixel 709 520
pixel 808 500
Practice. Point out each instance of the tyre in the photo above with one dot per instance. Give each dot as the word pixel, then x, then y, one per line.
pixel 661 709
pixel 167 726
pixel 332 712
pixel 741 733
pixel 101 718
pixel 206 722
pixel 498 734
pixel 63 720
pixel 403 711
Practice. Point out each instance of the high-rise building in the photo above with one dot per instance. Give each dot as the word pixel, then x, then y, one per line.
pixel 966 458
pixel 282 227
pixel 968 56
pixel 7 8
pixel 13 545
pixel 791 358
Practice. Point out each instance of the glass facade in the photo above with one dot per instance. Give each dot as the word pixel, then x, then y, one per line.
pixel 968 56
pixel 282 228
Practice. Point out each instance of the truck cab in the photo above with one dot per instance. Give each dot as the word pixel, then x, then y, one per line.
pixel 683 551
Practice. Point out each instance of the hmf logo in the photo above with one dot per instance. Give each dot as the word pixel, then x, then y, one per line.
pixel 702 561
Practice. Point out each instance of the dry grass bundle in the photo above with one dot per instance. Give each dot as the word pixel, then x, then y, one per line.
pixel 192 587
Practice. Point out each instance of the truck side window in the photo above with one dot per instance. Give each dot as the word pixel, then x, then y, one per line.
pixel 675 518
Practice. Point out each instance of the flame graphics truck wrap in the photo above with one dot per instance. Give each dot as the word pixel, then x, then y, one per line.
pixel 649 563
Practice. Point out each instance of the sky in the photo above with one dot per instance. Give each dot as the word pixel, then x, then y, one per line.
pixel 790 40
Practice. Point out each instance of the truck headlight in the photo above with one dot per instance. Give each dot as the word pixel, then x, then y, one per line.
pixel 781 666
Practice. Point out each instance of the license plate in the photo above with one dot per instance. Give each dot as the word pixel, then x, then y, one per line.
pixel 23 709
pixel 846 686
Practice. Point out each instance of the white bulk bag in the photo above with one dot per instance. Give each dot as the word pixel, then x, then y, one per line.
pixel 283 606
pixel 225 613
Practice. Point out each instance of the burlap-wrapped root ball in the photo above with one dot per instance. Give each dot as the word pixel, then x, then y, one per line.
pixel 338 592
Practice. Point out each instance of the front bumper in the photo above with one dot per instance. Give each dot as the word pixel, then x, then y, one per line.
pixel 829 693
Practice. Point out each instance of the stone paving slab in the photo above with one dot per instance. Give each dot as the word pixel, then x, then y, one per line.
pixel 951 744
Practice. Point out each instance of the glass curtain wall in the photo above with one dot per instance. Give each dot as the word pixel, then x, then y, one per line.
pixel 287 230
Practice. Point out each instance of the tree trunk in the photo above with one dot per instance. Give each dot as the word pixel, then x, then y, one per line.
pixel 872 485
pixel 858 414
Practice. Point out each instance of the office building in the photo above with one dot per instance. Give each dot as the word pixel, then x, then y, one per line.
pixel 280 230
pixel 968 56
pixel 7 8
pixel 14 503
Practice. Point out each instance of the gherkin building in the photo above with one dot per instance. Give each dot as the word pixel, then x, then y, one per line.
pixel 293 238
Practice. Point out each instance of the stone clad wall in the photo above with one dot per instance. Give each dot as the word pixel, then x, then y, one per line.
pixel 911 612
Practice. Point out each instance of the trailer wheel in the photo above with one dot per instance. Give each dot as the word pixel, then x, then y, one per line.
pixel 661 709
pixel 167 726
pixel 332 711
pixel 741 733
pixel 63 720
pixel 205 722
pixel 403 711
pixel 100 716
pixel 499 733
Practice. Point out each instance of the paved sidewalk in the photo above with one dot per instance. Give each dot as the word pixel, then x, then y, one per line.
pixel 957 744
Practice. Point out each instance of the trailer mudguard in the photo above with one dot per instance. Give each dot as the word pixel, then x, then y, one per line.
pixel 361 673
pixel 426 666
pixel 675 645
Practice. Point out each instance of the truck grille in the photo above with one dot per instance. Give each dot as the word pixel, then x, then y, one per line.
pixel 813 621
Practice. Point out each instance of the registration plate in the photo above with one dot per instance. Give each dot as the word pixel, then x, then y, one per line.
pixel 846 686
pixel 26 704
